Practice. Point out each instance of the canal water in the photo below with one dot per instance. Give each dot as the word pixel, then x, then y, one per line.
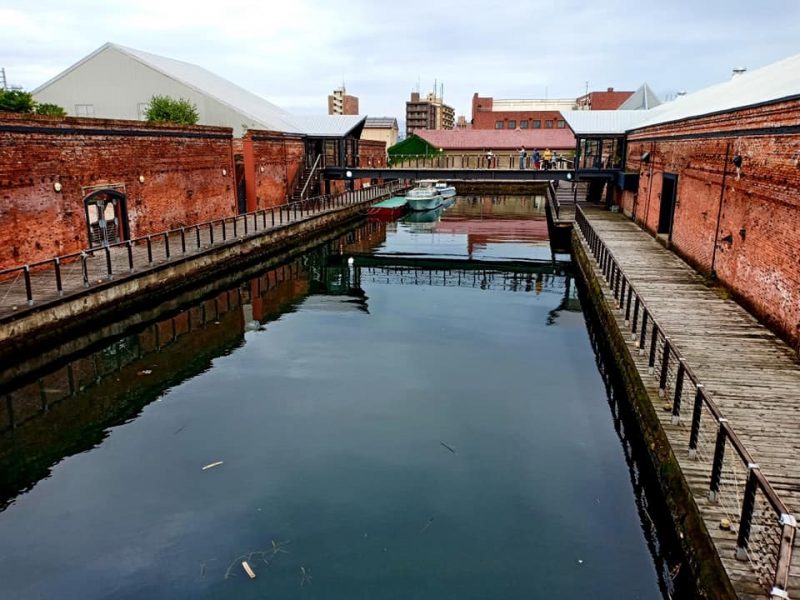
pixel 410 410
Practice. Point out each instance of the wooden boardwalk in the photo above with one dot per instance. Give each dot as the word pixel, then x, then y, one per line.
pixel 78 274
pixel 751 376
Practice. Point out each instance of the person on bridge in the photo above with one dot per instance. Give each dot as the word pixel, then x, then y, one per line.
pixel 489 157
pixel 537 159
pixel 548 157
pixel 522 156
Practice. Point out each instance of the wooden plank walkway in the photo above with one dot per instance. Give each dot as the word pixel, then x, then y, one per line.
pixel 164 248
pixel 751 375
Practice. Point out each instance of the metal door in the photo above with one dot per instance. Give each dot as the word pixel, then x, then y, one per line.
pixel 105 218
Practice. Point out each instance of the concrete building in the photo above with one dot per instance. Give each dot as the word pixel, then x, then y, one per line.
pixel 115 82
pixel 381 129
pixel 488 113
pixel 608 100
pixel 428 113
pixel 341 103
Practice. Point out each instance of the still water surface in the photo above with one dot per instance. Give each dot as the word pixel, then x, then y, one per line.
pixel 385 431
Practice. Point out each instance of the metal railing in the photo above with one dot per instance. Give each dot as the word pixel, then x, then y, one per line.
pixel 310 175
pixel 54 277
pixel 474 161
pixel 766 529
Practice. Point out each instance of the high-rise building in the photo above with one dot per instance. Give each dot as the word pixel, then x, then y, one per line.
pixel 340 103
pixel 428 113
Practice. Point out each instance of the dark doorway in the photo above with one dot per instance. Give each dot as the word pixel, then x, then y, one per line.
pixel 106 217
pixel 241 187
pixel 669 188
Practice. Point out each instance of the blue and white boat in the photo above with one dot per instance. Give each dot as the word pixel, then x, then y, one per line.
pixel 429 194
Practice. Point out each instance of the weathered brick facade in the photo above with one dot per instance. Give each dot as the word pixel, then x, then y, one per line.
pixel 371 153
pixel 187 178
pixel 755 220
pixel 272 163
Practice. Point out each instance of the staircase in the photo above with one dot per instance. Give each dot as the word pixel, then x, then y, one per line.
pixel 307 182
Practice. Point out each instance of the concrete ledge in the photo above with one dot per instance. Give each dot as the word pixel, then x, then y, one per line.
pixel 707 569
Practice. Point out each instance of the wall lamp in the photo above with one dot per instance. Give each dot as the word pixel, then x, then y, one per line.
pixel 646 157
pixel 737 161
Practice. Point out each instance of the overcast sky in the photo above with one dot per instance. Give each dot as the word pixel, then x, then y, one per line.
pixel 294 52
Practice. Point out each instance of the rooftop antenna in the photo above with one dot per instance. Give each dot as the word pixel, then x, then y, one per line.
pixel 587 86
pixel 435 87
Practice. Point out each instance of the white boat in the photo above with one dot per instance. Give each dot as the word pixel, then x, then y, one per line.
pixel 429 194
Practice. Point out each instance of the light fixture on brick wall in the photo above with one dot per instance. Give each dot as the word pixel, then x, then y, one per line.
pixel 141 178
pixel 224 172
pixel 57 186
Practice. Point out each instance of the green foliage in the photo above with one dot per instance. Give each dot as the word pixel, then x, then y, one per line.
pixel 50 110
pixel 17 101
pixel 164 109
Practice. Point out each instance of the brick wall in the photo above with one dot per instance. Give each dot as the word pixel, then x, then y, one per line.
pixel 372 153
pixel 187 172
pixel 756 253
pixel 272 163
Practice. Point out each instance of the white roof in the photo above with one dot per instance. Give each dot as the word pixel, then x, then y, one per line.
pixel 533 104
pixel 266 114
pixel 642 99
pixel 604 122
pixel 780 80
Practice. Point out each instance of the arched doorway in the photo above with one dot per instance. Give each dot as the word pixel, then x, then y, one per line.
pixel 106 217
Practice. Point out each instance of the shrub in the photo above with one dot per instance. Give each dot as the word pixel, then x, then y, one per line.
pixel 17 101
pixel 164 109
pixel 50 110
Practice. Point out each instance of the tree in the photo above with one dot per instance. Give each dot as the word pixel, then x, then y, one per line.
pixel 17 101
pixel 50 110
pixel 164 109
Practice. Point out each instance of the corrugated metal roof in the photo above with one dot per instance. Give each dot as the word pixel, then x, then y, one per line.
pixel 768 84
pixel 380 123
pixel 498 139
pixel 604 122
pixel 255 108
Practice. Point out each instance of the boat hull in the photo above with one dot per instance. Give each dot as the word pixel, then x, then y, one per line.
pixel 428 203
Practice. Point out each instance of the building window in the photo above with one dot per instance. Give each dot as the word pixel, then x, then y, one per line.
pixel 498 124
pixel 512 124
pixel 548 124
pixel 537 124
pixel 141 110
pixel 560 124
pixel 84 110
pixel 523 124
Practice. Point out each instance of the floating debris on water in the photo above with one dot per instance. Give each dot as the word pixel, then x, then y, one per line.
pixel 448 447
pixel 212 465
pixel 248 569
pixel 306 576
pixel 145 372
pixel 427 524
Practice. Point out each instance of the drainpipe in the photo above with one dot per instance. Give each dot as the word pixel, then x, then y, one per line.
pixel 719 211
pixel 650 183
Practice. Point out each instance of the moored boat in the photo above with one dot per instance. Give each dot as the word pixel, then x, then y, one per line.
pixel 389 209
pixel 429 194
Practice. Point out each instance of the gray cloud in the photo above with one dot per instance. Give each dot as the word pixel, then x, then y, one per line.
pixel 295 53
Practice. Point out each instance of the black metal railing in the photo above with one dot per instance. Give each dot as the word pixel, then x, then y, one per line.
pixel 766 529
pixel 475 161
pixel 53 277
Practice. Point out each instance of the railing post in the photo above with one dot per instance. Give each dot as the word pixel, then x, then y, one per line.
pixel 621 292
pixel 59 285
pixel 651 363
pixel 197 236
pixel 676 402
pixel 224 230
pixel 166 244
pixel 28 289
pixel 697 413
pixel 719 456
pixel 85 269
pixel 183 240
pixel 129 247
pixel 149 250
pixel 643 331
pixel 628 306
pixel 235 227
pixel 635 317
pixel 108 262
pixel 211 233
pixel 662 384
pixel 746 518
pixel 272 215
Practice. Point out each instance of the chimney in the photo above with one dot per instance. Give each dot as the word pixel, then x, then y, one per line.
pixel 738 71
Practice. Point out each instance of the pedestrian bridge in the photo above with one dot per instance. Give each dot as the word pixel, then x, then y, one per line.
pixel 428 171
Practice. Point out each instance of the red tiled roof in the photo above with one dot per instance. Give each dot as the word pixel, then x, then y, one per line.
pixel 498 139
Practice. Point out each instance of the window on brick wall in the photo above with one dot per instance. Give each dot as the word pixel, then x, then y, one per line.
pixel 498 124
pixel 548 124
pixel 512 124
pixel 523 124
pixel 560 124
pixel 84 110
pixel 537 124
